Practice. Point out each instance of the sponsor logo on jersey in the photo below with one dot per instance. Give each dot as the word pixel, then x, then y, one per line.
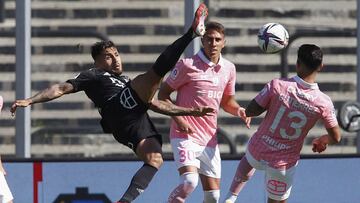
pixel 127 100
pixel 215 81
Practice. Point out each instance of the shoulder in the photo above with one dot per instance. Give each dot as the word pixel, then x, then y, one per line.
pixel 90 72
pixel 187 62
pixel 125 78
pixel 228 66
pixel 324 98
pixel 228 63
pixel 282 82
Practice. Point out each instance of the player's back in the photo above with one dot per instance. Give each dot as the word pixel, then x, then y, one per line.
pixel 293 108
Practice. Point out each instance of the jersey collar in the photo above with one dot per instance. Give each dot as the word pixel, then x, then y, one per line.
pixel 305 84
pixel 207 61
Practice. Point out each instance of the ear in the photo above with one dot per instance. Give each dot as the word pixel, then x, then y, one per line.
pixel 202 40
pixel 321 67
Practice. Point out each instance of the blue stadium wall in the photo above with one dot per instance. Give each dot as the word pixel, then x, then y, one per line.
pixel 330 180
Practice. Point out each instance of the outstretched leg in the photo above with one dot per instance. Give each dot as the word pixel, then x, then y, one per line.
pixel 148 150
pixel 243 173
pixel 146 84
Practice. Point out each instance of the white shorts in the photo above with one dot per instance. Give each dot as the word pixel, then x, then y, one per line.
pixel 206 159
pixel 278 182
pixel 5 193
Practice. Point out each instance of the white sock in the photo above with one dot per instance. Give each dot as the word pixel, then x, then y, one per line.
pixel 231 196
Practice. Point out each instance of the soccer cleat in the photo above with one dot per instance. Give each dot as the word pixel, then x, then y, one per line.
pixel 198 24
pixel 228 201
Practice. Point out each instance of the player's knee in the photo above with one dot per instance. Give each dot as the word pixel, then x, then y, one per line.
pixel 190 181
pixel 211 196
pixel 155 160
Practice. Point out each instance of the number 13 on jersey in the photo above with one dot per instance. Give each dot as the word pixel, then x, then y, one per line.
pixel 282 116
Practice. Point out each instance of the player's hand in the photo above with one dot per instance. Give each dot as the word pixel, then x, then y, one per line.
pixel 247 120
pixel 319 145
pixel 184 127
pixel 203 111
pixel 19 103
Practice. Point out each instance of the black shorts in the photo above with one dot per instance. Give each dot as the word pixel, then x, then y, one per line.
pixel 126 117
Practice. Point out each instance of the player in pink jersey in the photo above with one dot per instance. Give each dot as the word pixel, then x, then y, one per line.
pixel 293 107
pixel 5 193
pixel 204 79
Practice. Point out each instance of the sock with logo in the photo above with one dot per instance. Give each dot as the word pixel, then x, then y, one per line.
pixel 139 182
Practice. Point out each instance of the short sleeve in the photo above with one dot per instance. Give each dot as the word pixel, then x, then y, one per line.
pixel 329 116
pixel 264 96
pixel 230 86
pixel 82 81
pixel 178 75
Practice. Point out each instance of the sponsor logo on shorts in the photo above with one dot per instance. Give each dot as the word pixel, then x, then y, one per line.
pixel 276 187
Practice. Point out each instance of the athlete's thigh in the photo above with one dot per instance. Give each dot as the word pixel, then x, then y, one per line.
pixel 210 168
pixel 185 153
pixel 279 182
pixel 145 85
pixel 149 145
pixel 210 162
pixel 149 150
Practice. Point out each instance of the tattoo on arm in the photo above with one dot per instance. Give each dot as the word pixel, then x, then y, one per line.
pixel 53 92
pixel 169 108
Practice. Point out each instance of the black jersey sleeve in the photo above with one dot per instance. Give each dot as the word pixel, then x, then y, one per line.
pixel 83 80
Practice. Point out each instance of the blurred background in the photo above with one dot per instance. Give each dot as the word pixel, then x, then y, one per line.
pixel 62 32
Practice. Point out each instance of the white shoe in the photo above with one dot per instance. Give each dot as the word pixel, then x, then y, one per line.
pixel 228 201
pixel 198 24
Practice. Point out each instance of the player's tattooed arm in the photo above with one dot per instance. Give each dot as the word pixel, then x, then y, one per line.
pixel 254 109
pixel 53 92
pixel 170 109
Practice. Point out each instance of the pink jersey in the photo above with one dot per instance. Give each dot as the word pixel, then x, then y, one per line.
pixel 293 108
pixel 199 82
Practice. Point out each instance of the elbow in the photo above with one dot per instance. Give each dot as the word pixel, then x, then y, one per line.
pixel 337 136
pixel 337 139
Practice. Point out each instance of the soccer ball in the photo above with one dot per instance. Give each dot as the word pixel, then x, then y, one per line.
pixel 272 38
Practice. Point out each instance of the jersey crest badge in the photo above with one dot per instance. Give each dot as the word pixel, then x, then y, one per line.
pixel 174 74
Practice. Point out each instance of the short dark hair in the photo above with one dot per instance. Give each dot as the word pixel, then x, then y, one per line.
pixel 310 55
pixel 98 47
pixel 212 25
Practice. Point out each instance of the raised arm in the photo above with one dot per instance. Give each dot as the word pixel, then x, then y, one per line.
pixel 53 92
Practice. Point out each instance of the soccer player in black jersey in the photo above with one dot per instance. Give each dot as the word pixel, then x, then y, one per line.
pixel 123 103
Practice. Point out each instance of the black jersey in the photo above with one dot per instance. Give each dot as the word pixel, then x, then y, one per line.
pixel 122 111
pixel 99 85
